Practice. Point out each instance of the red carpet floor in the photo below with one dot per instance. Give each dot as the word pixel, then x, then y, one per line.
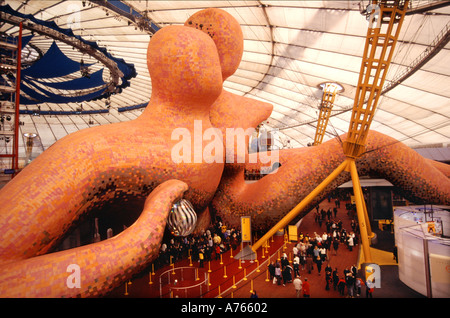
pixel 236 279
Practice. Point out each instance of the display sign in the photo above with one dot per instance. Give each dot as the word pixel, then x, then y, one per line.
pixel 246 229
pixel 435 227
pixel 292 229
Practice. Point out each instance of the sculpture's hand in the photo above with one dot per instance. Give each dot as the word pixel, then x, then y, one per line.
pixel 95 269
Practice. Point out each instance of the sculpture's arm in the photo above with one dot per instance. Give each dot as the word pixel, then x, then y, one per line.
pixel 270 198
pixel 98 267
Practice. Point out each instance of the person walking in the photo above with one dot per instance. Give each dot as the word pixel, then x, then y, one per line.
pixel 306 288
pixel 298 286
pixel 335 245
pixel 296 265
pixel 319 264
pixel 328 279
pixel 309 264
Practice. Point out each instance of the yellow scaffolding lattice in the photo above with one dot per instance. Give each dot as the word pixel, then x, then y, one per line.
pixel 326 105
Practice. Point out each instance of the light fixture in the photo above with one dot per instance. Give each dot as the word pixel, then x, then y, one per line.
pixel 29 145
pixel 330 87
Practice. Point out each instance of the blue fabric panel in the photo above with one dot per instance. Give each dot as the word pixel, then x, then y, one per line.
pixel 120 5
pixel 48 66
pixel 25 40
pixel 95 80
pixel 53 64
pixel 44 96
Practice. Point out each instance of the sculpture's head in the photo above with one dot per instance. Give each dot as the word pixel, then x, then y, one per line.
pixel 184 67
pixel 226 32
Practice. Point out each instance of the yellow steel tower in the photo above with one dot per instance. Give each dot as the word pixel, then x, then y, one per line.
pixel 329 94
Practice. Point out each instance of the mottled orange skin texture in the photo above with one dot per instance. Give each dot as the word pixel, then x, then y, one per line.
pixel 113 163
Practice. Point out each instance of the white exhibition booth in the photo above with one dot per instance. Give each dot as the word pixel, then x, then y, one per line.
pixel 422 236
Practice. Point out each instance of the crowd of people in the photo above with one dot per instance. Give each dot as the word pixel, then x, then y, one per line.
pixel 309 255
pixel 204 247
pixel 312 252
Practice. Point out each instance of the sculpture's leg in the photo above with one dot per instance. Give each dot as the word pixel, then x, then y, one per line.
pixel 95 269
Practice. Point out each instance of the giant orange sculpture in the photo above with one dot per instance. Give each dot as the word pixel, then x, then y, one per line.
pixel 134 160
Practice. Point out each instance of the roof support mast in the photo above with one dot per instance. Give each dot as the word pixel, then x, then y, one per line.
pixel 329 94
pixel 385 21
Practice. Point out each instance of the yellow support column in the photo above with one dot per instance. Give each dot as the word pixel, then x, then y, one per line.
pixel 360 211
pixel 366 215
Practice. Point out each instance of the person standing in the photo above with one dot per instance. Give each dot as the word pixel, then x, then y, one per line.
pixel 350 282
pixel 271 268
pixel 201 257
pixel 298 286
pixel 369 288
pixel 350 243
pixel 341 286
pixel 278 274
pixel 335 278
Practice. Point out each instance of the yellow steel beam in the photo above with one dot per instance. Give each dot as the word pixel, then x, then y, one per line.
pixel 360 211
